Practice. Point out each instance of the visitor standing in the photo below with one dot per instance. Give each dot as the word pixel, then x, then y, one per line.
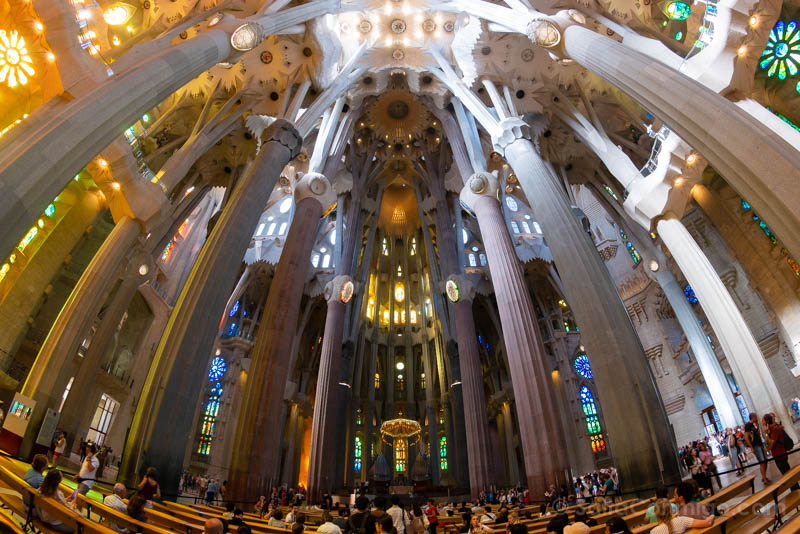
pixel 419 522
pixel 777 443
pixel 362 522
pixel 433 516
pixel 61 445
pixel 753 439
pixel 398 515
pixel 148 488
pixel 86 476
pixel 710 468
pixel 211 492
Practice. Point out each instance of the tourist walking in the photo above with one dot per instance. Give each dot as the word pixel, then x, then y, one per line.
pixel 753 439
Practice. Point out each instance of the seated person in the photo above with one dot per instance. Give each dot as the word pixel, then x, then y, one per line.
pixel 503 516
pixel 49 488
pixel 670 524
pixel 136 508
pixel 488 516
pixel 299 524
pixel 582 516
pixel 115 501
pixel 558 523
pixel 661 493
pixel 291 517
pixel 465 521
pixel 688 502
pixel 228 513
pixel 238 517
pixel 328 526
pixel 341 517
pixel 277 519
pixel 617 525
pixel 34 476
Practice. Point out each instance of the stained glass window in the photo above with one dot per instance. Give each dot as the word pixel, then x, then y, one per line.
pixel 358 416
pixel 167 250
pixel 422 382
pixel 385 247
pixel 234 309
pixel 400 455
pixel 357 450
pixel 413 246
pixel 761 224
pixel 631 249
pixel 677 10
pixel 377 381
pixel 690 296
pixel 592 420
pixel 582 366
pixel 232 330
pixel 209 420
pixel 611 192
pixel 218 368
pixel 782 53
pixel 511 202
pixel 443 453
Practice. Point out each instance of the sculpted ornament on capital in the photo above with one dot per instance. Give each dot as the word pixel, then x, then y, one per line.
pixel 459 287
pixel 479 185
pixel 510 130
pixel 283 132
pixel 314 185
pixel 340 289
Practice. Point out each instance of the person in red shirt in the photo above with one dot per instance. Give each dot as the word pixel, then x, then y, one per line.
pixel 775 444
pixel 432 514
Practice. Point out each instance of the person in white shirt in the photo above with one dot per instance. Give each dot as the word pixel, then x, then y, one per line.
pixel 291 517
pixel 88 472
pixel 398 515
pixel 488 517
pixel 328 527
pixel 115 501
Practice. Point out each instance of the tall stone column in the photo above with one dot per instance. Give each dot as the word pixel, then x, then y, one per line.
pixel 741 349
pixel 82 391
pixel 511 452
pixel 475 417
pixel 338 293
pixel 644 454
pixel 760 165
pixel 539 432
pixel 255 461
pixel 78 312
pixel 291 446
pixel 169 394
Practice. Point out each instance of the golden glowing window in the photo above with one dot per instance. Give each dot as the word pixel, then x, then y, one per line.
pixel 15 63
pixel 377 381
pixel 385 320
pixel 400 455
pixel 399 292
pixel 413 246
pixel 370 309
pixel 399 271
pixel 413 317
pixel 422 382
pixel 400 382
pixel 385 247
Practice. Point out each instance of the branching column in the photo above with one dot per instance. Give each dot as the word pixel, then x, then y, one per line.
pixel 741 349
pixel 168 399
pixel 538 431
pixel 254 466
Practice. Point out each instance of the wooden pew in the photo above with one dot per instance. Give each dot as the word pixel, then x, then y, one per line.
pixel 115 517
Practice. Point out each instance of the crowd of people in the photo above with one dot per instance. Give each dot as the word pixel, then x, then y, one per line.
pixel 755 442
pixel 47 481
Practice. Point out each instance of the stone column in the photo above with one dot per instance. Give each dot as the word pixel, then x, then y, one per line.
pixel 710 368
pixel 511 451
pixel 539 432
pixel 168 397
pixel 82 391
pixel 79 311
pixel 475 418
pixel 291 438
pixel 741 349
pixel 254 466
pixel 338 293
pixel 760 165
pixel 645 453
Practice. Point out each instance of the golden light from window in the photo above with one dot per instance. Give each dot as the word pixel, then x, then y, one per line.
pixel 118 14
pixel 15 63
pixel 399 292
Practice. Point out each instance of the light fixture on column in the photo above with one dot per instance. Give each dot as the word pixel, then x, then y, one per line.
pixel 653 265
pixel 247 36
pixel 346 292
pixel 144 269
pixel 677 10
pixel 400 366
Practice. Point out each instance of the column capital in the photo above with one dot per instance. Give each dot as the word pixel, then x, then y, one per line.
pixel 314 185
pixel 480 184
pixel 508 131
pixel 283 132
pixel 340 289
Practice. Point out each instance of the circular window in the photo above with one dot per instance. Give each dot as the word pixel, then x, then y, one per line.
pixel 286 204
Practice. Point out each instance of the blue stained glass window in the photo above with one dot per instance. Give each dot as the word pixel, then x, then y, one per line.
pixel 582 366
pixel 690 296
pixel 210 417
pixel 635 256
pixel 587 401
pixel 781 56
pixel 761 224
pixel 443 453
pixel 218 368
pixel 234 309
pixel 357 451
pixel 232 330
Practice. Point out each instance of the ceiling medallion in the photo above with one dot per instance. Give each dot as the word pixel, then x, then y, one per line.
pixel 527 55
pixel 453 292
pixel 266 57
pixel 346 293
pixel 398 54
pixel 184 35
pixel 365 26
pixel 449 26
pixel 398 26
pixel 344 27
pixel 428 25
